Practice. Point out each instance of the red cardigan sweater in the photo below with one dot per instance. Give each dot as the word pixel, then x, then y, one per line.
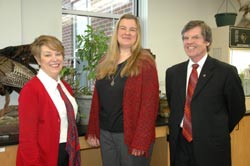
pixel 39 129
pixel 140 108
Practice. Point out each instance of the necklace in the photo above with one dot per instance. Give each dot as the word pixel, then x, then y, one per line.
pixel 112 83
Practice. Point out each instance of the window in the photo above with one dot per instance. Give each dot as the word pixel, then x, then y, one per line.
pixel 101 14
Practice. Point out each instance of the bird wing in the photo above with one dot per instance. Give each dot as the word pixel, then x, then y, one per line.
pixel 13 73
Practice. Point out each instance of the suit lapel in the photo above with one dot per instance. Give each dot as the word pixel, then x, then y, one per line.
pixel 182 81
pixel 205 75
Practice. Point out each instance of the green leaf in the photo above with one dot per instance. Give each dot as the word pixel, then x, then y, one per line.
pixel 91 46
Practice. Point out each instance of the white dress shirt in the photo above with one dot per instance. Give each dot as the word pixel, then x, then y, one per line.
pixel 189 70
pixel 51 87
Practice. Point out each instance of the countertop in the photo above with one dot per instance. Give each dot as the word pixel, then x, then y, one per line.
pixel 12 138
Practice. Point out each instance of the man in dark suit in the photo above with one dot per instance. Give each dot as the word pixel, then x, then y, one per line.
pixel 217 103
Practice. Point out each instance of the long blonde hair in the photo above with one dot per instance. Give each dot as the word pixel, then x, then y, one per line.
pixel 108 64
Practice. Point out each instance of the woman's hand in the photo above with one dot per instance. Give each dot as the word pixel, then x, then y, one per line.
pixel 93 141
pixel 136 152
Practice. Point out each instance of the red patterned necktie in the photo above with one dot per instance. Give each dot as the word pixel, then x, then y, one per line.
pixel 72 145
pixel 187 122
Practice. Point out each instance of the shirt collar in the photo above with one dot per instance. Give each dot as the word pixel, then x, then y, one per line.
pixel 47 81
pixel 200 63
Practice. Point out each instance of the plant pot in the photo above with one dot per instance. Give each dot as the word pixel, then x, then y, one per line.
pixel 223 19
pixel 84 103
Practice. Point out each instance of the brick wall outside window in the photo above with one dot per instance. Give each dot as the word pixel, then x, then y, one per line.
pixel 100 23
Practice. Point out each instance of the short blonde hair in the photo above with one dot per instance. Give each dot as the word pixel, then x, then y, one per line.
pixel 46 40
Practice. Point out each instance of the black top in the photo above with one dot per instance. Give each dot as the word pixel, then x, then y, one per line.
pixel 110 97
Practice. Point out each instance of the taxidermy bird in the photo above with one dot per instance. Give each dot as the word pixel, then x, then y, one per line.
pixel 15 71
pixel 245 8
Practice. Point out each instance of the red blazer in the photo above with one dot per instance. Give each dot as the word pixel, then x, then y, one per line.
pixel 140 107
pixel 39 128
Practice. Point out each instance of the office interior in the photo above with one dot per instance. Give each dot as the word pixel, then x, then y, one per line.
pixel 163 20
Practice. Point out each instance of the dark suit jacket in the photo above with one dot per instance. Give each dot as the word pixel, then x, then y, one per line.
pixel 217 106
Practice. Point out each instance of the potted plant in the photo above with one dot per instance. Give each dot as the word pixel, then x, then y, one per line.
pixel 91 46
pixel 226 17
pixel 69 74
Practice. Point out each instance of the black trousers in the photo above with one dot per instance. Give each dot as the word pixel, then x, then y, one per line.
pixel 184 152
pixel 63 157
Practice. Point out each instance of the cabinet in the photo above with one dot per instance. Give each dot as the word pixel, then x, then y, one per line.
pixel 92 156
pixel 240 143
pixel 8 155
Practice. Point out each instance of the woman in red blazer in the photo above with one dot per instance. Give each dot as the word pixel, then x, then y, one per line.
pixel 125 100
pixel 45 123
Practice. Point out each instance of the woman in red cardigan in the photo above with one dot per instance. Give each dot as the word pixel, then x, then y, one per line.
pixel 125 100
pixel 47 112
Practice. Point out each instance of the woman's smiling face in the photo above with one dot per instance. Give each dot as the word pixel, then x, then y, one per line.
pixel 51 62
pixel 127 33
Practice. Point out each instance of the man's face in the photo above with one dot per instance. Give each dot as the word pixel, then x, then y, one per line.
pixel 194 43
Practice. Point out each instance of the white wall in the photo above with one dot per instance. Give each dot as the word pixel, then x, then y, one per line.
pixel 10 16
pixel 166 19
pixel 41 17
pixel 24 20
